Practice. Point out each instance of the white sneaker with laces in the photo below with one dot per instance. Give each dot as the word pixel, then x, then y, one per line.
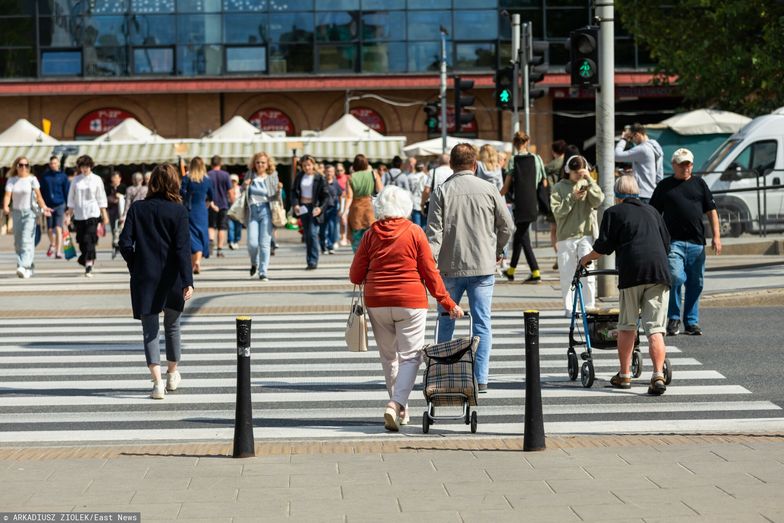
pixel 173 380
pixel 158 390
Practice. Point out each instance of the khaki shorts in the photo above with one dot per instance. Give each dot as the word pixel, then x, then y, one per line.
pixel 647 302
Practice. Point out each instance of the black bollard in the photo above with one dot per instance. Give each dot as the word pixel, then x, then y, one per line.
pixel 244 446
pixel 534 420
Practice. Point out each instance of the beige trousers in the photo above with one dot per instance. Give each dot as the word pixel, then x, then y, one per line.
pixel 400 336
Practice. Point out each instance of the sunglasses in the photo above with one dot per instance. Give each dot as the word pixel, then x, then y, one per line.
pixel 261 162
pixel 23 165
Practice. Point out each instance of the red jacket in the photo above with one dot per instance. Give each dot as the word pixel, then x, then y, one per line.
pixel 393 260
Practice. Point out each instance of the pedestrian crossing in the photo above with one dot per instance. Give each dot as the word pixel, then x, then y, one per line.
pixel 67 380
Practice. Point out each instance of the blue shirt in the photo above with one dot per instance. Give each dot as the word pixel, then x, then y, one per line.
pixel 54 187
pixel 221 184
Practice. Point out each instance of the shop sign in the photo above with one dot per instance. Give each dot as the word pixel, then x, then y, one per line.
pixel 98 122
pixel 370 118
pixel 269 119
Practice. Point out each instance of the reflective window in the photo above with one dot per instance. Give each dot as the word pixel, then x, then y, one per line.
pixel 282 6
pixel 247 28
pixel 474 4
pixel 384 57
pixel 17 63
pixel 337 58
pixel 291 58
pixel 384 26
pixel 430 4
pixel 199 60
pixel 246 59
pixel 104 31
pixel 105 61
pixel 336 5
pixel 295 27
pixel 624 54
pixel 149 60
pixel 245 5
pixel 369 5
pixel 480 25
pixel 199 29
pixel 106 7
pixel 336 27
pixel 561 22
pixel 61 63
pixel 566 3
pixel 152 6
pixel 426 56
pixel 475 56
pixel 424 25
pixel 17 31
pixel 62 31
pixel 198 6
pixel 535 16
pixel 152 30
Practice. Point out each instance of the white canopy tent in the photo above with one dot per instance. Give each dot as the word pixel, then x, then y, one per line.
pixel 238 128
pixel 348 126
pixel 129 130
pixel 22 132
pixel 704 121
pixel 432 147
pixel 25 139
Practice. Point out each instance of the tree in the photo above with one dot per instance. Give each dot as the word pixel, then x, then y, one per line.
pixel 725 54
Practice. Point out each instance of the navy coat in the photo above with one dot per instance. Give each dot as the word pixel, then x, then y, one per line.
pixel 156 245
pixel 321 196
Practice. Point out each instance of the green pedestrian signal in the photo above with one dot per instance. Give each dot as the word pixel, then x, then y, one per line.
pixel 586 69
pixel 504 83
pixel 505 96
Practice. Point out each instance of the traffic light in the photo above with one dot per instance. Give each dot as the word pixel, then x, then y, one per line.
pixel 504 83
pixel 431 116
pixel 536 68
pixel 584 56
pixel 462 101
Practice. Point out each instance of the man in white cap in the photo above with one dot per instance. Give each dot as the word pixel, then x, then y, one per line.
pixel 682 200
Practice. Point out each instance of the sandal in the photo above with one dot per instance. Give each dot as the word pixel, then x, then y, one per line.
pixel 657 386
pixel 620 383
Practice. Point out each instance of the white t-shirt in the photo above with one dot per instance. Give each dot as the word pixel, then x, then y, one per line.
pixel 306 186
pixel 441 173
pixel 87 196
pixel 21 190
pixel 417 181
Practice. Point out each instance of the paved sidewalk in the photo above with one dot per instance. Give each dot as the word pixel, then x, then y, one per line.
pixel 624 478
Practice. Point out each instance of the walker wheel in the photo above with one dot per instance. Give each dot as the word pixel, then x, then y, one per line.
pixel 586 374
pixel 667 369
pixel 468 416
pixel 636 364
pixel 474 422
pixel 425 423
pixel 572 366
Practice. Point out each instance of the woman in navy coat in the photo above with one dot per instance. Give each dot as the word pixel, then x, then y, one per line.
pixel 155 244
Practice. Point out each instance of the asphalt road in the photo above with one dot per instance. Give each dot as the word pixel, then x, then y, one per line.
pixel 744 344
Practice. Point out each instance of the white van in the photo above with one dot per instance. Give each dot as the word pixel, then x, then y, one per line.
pixel 753 157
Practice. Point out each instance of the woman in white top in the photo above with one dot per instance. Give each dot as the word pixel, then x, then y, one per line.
pixel 262 188
pixel 87 206
pixel 488 167
pixel 22 187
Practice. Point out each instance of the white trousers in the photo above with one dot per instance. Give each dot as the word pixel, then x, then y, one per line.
pixel 400 336
pixel 569 253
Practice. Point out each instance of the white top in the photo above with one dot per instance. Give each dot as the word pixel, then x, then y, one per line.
pixel 441 173
pixel 417 181
pixel 307 187
pixel 87 196
pixel 21 190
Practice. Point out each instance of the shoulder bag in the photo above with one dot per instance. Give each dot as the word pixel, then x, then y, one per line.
pixel 356 326
pixel 239 209
pixel 277 209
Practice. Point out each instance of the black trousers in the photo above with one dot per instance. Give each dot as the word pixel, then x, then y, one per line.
pixel 87 238
pixel 522 240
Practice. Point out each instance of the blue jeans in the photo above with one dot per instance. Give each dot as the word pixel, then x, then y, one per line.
pixel 687 267
pixel 328 235
pixel 310 230
pixel 418 218
pixel 235 231
pixel 259 236
pixel 24 236
pixel 480 299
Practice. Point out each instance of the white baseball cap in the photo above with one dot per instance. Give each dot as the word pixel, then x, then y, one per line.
pixel 682 155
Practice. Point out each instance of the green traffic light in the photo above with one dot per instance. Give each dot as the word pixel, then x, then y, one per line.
pixel 431 123
pixel 586 69
pixel 505 96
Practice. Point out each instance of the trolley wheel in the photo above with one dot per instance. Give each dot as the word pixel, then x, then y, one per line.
pixel 667 369
pixel 586 374
pixel 468 416
pixel 572 365
pixel 425 423
pixel 636 364
pixel 474 422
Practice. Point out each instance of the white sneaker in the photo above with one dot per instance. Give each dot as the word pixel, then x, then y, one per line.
pixel 173 380
pixel 158 390
pixel 22 272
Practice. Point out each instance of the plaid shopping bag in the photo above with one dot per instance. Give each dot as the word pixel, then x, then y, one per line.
pixel 449 368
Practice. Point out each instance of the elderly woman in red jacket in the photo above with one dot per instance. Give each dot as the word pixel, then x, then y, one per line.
pixel 393 261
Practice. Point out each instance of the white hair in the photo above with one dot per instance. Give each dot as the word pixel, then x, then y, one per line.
pixel 627 184
pixel 393 202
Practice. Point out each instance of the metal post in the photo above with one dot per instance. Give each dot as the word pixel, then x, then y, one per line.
pixel 533 438
pixel 442 96
pixel 244 446
pixel 605 127
pixel 516 73
pixel 525 53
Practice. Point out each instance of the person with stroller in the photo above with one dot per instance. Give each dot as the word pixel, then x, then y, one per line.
pixel 574 201
pixel 392 261
pixel 637 234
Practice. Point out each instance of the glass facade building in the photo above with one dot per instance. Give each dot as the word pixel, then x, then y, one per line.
pixel 206 38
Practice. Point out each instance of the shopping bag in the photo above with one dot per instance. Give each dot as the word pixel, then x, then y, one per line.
pixel 239 209
pixel 356 326
pixel 69 251
pixel 278 212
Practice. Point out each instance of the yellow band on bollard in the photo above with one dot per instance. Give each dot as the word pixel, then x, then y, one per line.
pixel 243 318
pixel 531 311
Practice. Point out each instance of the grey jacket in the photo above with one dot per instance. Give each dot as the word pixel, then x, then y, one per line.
pixel 647 163
pixel 468 226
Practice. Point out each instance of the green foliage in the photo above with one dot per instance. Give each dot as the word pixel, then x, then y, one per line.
pixel 725 54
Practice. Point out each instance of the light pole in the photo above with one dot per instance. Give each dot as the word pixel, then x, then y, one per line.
pixel 442 95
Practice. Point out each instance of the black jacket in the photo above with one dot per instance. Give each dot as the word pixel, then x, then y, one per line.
pixel 156 245
pixel 321 196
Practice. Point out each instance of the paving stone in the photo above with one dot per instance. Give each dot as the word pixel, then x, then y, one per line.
pixel 250 493
pixel 359 492
pixel 593 485
pixel 23 472
pixel 528 474
pixel 713 518
pixel 271 469
pixel 473 488
pixel 538 514
pixel 433 503
pixel 68 496
pixel 403 477
pixel 269 510
pixel 628 511
pixel 448 516
pixel 164 495
pixel 595 497
pixel 707 492
pixel 165 511
pixel 374 478
pixel 370 507
pixel 200 483
pixel 156 483
pixel 679 477
pixel 99 475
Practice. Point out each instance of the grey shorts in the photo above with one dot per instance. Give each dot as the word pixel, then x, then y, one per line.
pixel 648 302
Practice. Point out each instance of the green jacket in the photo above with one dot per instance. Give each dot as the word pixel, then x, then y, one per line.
pixel 573 217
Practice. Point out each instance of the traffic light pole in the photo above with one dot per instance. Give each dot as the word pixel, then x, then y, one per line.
pixel 442 95
pixel 605 127
pixel 525 54
pixel 516 74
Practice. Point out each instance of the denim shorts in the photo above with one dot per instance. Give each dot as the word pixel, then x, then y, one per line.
pixel 57 217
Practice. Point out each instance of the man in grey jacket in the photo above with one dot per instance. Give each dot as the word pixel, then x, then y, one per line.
pixel 646 158
pixel 468 226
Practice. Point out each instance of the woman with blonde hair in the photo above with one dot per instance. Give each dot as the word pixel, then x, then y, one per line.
pixel 196 191
pixel 574 201
pixel 23 188
pixel 396 265
pixel 489 167
pixel 262 187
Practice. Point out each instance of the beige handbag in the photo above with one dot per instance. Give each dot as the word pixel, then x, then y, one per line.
pixel 239 209
pixel 278 212
pixel 356 326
